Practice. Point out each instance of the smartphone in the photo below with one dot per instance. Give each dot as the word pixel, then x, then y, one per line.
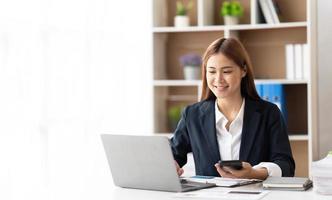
pixel 234 164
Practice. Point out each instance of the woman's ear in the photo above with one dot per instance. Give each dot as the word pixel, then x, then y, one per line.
pixel 244 71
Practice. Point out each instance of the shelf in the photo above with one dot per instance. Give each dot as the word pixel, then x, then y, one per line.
pixel 171 29
pixel 298 137
pixel 199 82
pixel 280 81
pixel 266 26
pixel 182 98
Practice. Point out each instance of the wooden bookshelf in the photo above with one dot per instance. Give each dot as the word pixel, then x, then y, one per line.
pixel 265 44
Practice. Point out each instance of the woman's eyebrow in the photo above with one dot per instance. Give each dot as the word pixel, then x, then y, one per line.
pixel 224 67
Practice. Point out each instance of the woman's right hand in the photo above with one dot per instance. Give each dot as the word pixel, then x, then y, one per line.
pixel 178 169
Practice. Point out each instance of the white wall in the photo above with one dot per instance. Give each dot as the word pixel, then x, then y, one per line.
pixel 324 56
pixel 70 70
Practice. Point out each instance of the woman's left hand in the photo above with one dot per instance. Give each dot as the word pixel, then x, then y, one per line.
pixel 228 172
pixel 246 172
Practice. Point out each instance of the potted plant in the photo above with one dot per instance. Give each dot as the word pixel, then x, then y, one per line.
pixel 191 66
pixel 174 115
pixel 231 11
pixel 181 19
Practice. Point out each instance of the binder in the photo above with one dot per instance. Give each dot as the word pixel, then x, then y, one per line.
pixel 275 93
pixel 259 89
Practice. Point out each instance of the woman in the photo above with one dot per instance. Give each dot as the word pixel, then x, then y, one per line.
pixel 231 122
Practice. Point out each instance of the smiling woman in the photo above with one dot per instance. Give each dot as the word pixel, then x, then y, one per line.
pixel 231 122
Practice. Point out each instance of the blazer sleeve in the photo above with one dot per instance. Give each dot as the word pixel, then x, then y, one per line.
pixel 281 152
pixel 180 141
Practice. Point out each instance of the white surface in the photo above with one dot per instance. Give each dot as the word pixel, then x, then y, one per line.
pixel 126 194
pixel 220 193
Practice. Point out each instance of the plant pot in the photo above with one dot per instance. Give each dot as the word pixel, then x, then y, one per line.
pixel 231 20
pixel 181 21
pixel 191 72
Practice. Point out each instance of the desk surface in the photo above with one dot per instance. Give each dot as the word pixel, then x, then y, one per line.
pixel 125 194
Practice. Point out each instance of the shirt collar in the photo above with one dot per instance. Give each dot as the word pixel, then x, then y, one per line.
pixel 220 116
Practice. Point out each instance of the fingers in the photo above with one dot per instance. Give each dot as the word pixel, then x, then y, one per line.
pixel 178 169
pixel 246 165
pixel 224 172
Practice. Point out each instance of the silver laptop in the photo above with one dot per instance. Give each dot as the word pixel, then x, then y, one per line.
pixel 144 162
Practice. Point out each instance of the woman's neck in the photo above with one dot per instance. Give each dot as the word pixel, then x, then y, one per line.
pixel 230 106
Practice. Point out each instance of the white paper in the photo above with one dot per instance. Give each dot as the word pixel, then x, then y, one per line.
pixel 221 193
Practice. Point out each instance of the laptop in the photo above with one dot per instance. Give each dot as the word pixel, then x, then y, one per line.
pixel 145 162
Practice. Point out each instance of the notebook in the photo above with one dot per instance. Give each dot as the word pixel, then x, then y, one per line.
pixel 287 183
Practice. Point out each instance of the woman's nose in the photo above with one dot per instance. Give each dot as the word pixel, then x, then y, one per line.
pixel 220 77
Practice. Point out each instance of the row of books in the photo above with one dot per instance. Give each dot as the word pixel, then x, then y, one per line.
pixel 273 93
pixel 297 61
pixel 265 11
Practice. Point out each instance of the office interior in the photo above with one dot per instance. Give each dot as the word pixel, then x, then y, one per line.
pixel 72 70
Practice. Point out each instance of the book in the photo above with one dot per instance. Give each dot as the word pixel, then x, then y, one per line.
pixel 298 55
pixel 287 183
pixel 266 11
pixel 290 61
pixel 273 10
pixel 256 15
pixel 306 61
pixel 220 181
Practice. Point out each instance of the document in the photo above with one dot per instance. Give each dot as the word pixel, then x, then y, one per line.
pixel 222 182
pixel 221 193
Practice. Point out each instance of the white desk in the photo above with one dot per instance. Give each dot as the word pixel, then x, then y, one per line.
pixel 126 194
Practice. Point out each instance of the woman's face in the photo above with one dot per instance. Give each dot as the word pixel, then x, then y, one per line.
pixel 224 76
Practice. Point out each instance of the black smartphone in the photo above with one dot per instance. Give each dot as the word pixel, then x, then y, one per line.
pixel 235 164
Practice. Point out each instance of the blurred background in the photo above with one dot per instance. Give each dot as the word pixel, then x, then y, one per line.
pixel 69 70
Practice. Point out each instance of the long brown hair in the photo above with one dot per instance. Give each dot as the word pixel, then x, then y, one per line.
pixel 234 50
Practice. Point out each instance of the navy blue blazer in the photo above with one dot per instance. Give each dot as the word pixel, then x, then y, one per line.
pixel 264 137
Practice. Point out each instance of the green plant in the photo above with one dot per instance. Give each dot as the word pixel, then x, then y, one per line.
pixel 174 115
pixel 182 8
pixel 231 8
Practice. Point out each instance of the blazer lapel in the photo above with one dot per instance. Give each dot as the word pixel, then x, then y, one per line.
pixel 251 120
pixel 207 117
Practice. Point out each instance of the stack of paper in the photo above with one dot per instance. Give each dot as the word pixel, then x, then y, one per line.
pixel 322 175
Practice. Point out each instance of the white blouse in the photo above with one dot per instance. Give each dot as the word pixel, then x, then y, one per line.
pixel 229 141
